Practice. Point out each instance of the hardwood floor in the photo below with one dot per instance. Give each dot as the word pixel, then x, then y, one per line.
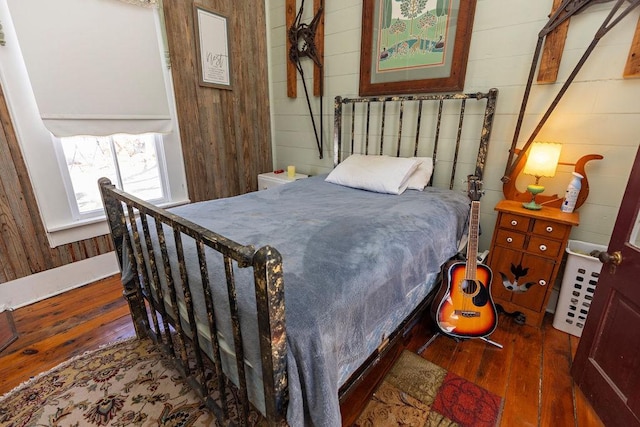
pixel 63 326
pixel 531 372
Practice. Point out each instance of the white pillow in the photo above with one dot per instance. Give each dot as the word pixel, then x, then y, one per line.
pixel 421 176
pixel 382 174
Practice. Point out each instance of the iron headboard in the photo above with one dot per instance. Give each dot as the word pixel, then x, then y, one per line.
pixel 368 118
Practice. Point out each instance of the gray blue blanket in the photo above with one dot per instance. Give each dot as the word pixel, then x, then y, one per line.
pixel 355 264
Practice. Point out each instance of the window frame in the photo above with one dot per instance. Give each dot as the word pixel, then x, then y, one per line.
pixel 39 153
pixel 99 212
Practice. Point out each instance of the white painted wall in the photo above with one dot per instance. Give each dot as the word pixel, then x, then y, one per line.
pixel 600 112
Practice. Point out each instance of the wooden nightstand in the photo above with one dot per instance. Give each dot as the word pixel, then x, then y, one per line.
pixel 270 179
pixel 525 255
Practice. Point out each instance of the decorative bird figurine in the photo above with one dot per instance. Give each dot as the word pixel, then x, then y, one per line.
pixel 517 272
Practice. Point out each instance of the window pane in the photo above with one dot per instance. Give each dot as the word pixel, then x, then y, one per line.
pixel 138 162
pixel 129 161
pixel 88 158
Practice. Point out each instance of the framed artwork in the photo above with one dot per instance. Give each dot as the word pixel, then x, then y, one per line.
pixel 414 46
pixel 212 47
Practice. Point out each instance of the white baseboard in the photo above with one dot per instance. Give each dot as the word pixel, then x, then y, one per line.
pixel 27 290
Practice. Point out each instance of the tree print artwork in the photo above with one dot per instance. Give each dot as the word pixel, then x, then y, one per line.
pixel 414 46
pixel 412 34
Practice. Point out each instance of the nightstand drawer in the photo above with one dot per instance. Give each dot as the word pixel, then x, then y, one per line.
pixel 550 229
pixel 545 247
pixel 514 222
pixel 509 238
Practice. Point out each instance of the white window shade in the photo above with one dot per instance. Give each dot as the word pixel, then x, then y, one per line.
pixel 95 66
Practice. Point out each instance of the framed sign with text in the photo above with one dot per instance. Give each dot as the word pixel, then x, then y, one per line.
pixel 212 46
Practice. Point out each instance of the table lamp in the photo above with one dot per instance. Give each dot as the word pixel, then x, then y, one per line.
pixel 542 161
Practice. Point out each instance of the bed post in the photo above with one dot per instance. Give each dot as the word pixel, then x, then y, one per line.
pixel 487 124
pixel 117 225
pixel 337 130
pixel 267 267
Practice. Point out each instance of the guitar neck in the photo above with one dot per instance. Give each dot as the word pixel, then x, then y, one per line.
pixel 472 244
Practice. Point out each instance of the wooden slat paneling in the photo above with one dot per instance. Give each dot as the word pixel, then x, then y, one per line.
pixel 632 67
pixel 553 48
pixel 318 72
pixel 292 75
pixel 24 248
pixel 226 134
pixel 22 255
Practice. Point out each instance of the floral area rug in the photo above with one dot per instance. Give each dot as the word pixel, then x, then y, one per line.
pixel 418 393
pixel 129 383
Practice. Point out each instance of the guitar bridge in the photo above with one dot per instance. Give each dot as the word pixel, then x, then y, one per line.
pixel 467 313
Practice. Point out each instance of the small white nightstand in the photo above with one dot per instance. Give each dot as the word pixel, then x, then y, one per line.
pixel 270 179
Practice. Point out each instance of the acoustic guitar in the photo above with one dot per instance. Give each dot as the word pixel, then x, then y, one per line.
pixel 463 307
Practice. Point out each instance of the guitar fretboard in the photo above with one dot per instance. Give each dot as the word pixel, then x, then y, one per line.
pixel 472 244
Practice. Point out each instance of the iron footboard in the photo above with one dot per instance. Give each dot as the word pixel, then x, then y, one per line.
pixel 131 221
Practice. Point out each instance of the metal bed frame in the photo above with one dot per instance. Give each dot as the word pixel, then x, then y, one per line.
pixel 129 218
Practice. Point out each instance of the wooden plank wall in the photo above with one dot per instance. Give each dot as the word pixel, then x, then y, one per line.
pixel 226 137
pixel 226 134
pixel 24 248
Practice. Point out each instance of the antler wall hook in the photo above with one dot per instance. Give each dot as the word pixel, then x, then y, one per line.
pixel 303 38
pixel 303 44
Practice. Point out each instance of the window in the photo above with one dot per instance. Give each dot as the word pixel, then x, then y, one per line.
pixel 149 165
pixel 105 82
pixel 134 163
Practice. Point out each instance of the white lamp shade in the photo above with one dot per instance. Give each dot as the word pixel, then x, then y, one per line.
pixel 542 159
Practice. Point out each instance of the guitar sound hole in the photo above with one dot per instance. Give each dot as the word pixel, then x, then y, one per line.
pixel 469 287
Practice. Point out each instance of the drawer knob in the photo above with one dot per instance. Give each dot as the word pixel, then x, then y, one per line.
pixel 509 239
pixel 549 229
pixel 543 248
pixel 514 222
pixel 542 282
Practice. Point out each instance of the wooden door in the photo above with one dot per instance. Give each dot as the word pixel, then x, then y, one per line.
pixel 607 362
